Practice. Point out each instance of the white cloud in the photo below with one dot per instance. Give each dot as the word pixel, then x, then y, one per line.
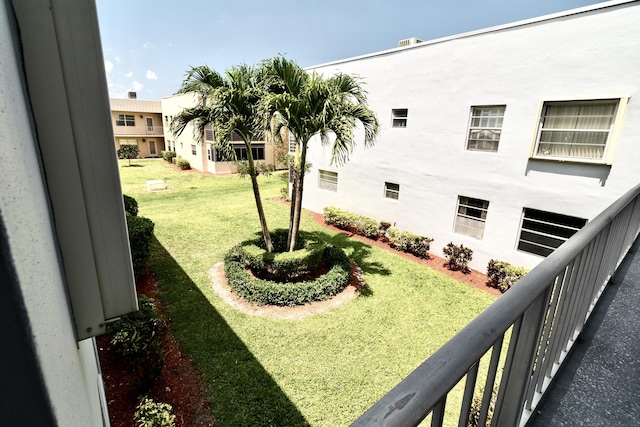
pixel 117 59
pixel 136 86
pixel 151 75
pixel 108 66
pixel 147 45
pixel 129 74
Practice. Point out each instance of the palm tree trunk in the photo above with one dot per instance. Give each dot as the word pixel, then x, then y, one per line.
pixel 256 194
pixel 296 207
pixel 294 196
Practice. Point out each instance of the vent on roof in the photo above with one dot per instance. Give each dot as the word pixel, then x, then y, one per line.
pixel 133 95
pixel 409 41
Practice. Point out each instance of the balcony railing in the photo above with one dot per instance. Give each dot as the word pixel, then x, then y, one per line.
pixel 539 319
pixel 138 130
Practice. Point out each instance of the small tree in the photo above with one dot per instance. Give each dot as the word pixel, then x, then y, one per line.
pixel 128 151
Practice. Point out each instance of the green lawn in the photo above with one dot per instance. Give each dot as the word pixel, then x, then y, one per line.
pixel 324 370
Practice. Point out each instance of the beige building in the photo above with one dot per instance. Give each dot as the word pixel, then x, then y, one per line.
pixel 200 150
pixel 138 122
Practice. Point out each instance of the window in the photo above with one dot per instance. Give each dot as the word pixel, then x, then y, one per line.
pixel 471 216
pixel 125 120
pixel 391 191
pixel 193 150
pixel 485 128
pixel 128 142
pixel 208 133
pixel 399 117
pixel 240 151
pixel 541 232
pixel 328 180
pixel 575 130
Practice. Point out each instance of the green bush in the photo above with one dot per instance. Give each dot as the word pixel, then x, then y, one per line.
pixel 504 275
pixel 128 151
pixel 168 155
pixel 174 160
pixel 138 337
pixel 140 234
pixel 408 242
pixel 152 414
pixel 130 205
pixel 458 257
pixel 262 292
pixel 183 164
pixel 285 266
pixel 355 223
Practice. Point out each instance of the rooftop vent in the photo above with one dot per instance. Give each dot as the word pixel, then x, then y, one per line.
pixel 133 95
pixel 409 41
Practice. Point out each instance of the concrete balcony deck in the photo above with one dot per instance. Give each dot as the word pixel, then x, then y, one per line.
pixel 600 383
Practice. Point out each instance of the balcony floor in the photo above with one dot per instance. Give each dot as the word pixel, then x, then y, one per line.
pixel 600 382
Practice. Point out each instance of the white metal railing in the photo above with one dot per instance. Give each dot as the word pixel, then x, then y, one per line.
pixel 540 318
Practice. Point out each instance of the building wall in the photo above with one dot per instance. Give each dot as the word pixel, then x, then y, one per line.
pixel 140 132
pixel 186 143
pixel 589 55
pixel 69 369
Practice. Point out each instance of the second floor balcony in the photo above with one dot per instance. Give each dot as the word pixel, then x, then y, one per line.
pixel 141 130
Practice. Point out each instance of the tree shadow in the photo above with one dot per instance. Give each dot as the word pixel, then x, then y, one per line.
pixel 239 389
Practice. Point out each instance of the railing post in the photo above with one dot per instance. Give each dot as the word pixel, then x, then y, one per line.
pixel 523 348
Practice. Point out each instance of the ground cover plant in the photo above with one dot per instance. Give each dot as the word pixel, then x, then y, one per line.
pixel 324 370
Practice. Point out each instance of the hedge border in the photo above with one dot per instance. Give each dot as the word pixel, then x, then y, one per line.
pixel 267 292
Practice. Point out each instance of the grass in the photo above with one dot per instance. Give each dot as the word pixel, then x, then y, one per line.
pixel 324 370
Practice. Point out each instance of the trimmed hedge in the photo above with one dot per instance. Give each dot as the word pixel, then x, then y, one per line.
pixel 355 223
pixel 263 292
pixel 285 266
pixel 183 164
pixel 504 275
pixel 140 234
pixel 168 155
pixel 408 242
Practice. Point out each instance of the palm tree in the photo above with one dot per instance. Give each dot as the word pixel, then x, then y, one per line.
pixel 307 105
pixel 230 103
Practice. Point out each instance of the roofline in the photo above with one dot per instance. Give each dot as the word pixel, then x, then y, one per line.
pixel 549 17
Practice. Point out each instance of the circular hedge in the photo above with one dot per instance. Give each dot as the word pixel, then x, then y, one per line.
pixel 285 269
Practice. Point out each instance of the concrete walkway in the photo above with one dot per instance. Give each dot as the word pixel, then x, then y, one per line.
pixel 600 382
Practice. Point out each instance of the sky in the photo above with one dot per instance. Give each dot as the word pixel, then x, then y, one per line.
pixel 149 45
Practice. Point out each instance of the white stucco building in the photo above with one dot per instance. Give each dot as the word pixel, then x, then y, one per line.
pixel 505 140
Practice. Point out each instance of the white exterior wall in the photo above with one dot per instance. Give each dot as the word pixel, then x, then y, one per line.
pixel 171 107
pixel 70 369
pixel 591 55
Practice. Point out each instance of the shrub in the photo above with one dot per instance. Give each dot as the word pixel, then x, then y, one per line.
pixel 382 230
pixel 138 337
pixel 408 242
pixel 262 168
pixel 174 160
pixel 152 414
pixel 128 151
pixel 140 234
pixel 183 164
pixel 262 292
pixel 285 266
pixel 284 193
pixel 459 257
pixel 355 223
pixel 168 155
pixel 130 205
pixel 504 275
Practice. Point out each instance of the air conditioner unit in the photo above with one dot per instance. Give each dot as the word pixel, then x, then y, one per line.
pixel 409 41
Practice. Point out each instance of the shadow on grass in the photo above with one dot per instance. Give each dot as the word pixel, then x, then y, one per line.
pixel 240 391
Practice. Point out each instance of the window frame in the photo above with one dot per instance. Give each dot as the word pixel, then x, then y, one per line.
pixel 548 224
pixel 465 229
pixel 399 117
pixel 389 192
pixel 328 180
pixel 124 119
pixel 472 128
pixel 613 132
pixel 194 150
